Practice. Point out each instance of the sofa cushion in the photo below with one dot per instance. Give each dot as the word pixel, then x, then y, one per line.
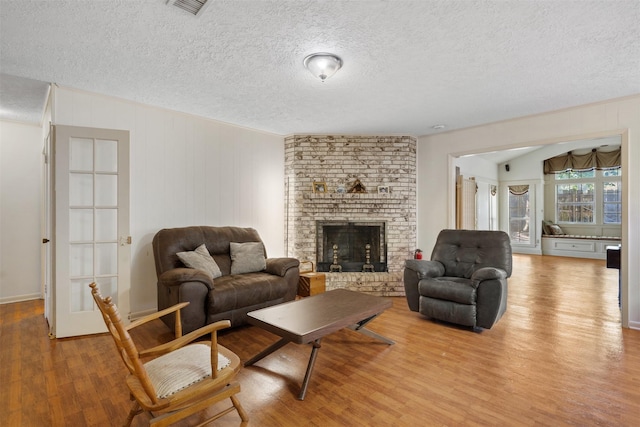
pixel 201 260
pixel 247 257
pixel 244 290
pixel 455 289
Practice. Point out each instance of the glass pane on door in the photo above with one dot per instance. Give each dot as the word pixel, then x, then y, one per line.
pixel 80 225
pixel 106 224
pixel 106 259
pixel 81 259
pixel 108 287
pixel 106 190
pixel 80 189
pixel 80 154
pixel 106 156
pixel 80 293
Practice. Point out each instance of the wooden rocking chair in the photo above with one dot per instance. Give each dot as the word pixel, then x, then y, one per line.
pixel 183 379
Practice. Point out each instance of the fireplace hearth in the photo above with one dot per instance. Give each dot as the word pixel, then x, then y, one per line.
pixel 345 246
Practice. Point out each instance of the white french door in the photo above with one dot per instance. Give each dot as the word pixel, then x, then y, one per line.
pixel 91 226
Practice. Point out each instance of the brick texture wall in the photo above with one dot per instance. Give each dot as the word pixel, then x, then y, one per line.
pixel 339 161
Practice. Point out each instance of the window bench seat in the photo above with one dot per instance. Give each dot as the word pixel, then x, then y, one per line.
pixel 578 246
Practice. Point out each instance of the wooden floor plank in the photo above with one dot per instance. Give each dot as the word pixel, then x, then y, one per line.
pixel 558 357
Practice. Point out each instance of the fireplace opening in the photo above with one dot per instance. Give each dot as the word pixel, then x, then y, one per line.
pixel 344 246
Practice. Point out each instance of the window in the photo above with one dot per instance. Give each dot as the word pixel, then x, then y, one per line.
pixel 612 172
pixel 612 202
pixel 569 174
pixel 575 202
pixel 592 197
pixel 519 213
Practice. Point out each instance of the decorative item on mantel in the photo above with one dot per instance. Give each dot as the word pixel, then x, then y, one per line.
pixel 319 187
pixel 383 189
pixel 357 187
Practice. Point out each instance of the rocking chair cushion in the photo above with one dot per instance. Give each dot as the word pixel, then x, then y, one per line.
pixel 181 368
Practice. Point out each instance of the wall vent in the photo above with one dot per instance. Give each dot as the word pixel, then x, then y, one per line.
pixel 194 7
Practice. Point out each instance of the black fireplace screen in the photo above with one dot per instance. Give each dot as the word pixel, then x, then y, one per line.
pixel 341 246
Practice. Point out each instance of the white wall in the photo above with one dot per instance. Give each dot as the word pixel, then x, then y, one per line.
pixel 20 240
pixel 622 116
pixel 186 170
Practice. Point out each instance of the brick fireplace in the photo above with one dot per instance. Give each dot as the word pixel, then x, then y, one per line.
pixel 338 161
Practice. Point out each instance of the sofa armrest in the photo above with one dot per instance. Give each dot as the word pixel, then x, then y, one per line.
pixel 177 276
pixel 414 271
pixel 279 266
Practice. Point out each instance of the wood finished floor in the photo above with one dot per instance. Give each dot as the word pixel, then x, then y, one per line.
pixel 558 357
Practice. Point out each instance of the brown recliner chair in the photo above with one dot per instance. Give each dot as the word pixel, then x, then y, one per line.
pixel 465 282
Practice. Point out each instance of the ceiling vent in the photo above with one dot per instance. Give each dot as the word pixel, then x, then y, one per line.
pixel 194 7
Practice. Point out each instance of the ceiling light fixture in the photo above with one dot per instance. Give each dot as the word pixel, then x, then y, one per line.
pixel 195 7
pixel 438 127
pixel 323 65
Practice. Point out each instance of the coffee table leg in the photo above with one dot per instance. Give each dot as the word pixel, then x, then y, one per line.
pixel 360 327
pixel 267 351
pixel 307 376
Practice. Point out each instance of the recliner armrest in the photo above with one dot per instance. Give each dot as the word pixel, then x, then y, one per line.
pixel 177 276
pixel 488 273
pixel 279 266
pixel 425 268
pixel 414 271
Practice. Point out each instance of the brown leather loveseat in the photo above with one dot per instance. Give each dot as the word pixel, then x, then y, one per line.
pixel 230 296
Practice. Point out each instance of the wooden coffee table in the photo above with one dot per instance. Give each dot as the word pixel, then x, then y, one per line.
pixel 308 320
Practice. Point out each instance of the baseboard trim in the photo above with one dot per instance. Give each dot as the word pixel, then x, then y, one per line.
pixel 138 314
pixel 20 298
pixel 634 325
pixel 525 250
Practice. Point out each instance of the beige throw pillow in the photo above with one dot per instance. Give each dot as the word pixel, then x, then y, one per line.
pixel 556 230
pixel 201 260
pixel 247 257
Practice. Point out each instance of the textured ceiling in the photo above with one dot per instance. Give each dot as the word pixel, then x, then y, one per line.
pixel 408 65
pixel 22 100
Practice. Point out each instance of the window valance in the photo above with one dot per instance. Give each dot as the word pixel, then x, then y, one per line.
pixel 593 160
pixel 518 190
